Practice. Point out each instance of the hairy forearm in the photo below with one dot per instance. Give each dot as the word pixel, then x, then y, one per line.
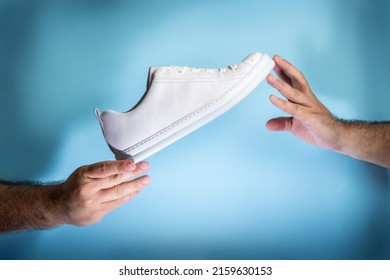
pixel 368 141
pixel 28 206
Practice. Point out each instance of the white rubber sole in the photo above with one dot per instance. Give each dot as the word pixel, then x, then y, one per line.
pixel 202 116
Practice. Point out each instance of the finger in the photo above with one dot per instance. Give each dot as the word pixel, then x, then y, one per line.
pixel 290 108
pixel 108 168
pixel 280 124
pixel 298 80
pixel 117 179
pixel 287 91
pixel 124 189
pixel 280 73
pixel 111 205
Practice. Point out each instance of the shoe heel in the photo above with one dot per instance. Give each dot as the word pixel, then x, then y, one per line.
pixel 97 115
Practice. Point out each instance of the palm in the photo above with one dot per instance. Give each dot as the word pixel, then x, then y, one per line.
pixel 302 132
pixel 319 132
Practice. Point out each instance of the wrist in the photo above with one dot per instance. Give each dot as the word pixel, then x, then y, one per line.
pixel 29 206
pixel 329 133
pixel 348 137
pixel 57 205
pixel 339 128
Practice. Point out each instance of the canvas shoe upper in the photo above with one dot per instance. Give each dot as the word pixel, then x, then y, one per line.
pixel 177 101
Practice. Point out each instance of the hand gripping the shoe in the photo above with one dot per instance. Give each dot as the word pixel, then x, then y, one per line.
pixel 94 190
pixel 313 123
pixel 88 194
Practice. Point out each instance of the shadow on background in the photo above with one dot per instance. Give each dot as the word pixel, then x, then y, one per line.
pixel 59 59
pixel 23 152
pixel 55 66
pixel 360 56
pixel 373 57
pixel 374 46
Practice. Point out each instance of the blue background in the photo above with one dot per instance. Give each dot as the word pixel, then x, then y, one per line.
pixel 231 190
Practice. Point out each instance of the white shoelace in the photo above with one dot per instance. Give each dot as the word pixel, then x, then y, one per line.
pixel 184 69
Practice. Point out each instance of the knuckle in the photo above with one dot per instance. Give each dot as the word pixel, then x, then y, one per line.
pixel 84 191
pixel 296 108
pixel 117 179
pixel 292 108
pixel 296 94
pixel 119 202
pixel 119 191
pixel 144 180
pixel 80 172
pixel 287 91
pixel 138 185
pixel 87 204
pixel 102 169
pixel 86 212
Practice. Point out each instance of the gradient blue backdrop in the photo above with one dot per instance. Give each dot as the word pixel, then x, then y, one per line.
pixel 231 190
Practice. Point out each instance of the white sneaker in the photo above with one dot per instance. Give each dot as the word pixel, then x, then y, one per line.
pixel 177 101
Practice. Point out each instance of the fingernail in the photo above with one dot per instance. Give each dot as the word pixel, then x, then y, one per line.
pixel 278 57
pixel 281 61
pixel 145 180
pixel 273 82
pixel 144 165
pixel 271 78
pixel 130 166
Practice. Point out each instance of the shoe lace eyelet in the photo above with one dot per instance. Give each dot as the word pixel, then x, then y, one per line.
pixel 234 67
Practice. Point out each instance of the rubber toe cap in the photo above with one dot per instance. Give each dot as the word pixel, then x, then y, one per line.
pixel 253 58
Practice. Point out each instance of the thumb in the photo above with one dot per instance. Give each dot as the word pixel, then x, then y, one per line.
pixel 279 124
